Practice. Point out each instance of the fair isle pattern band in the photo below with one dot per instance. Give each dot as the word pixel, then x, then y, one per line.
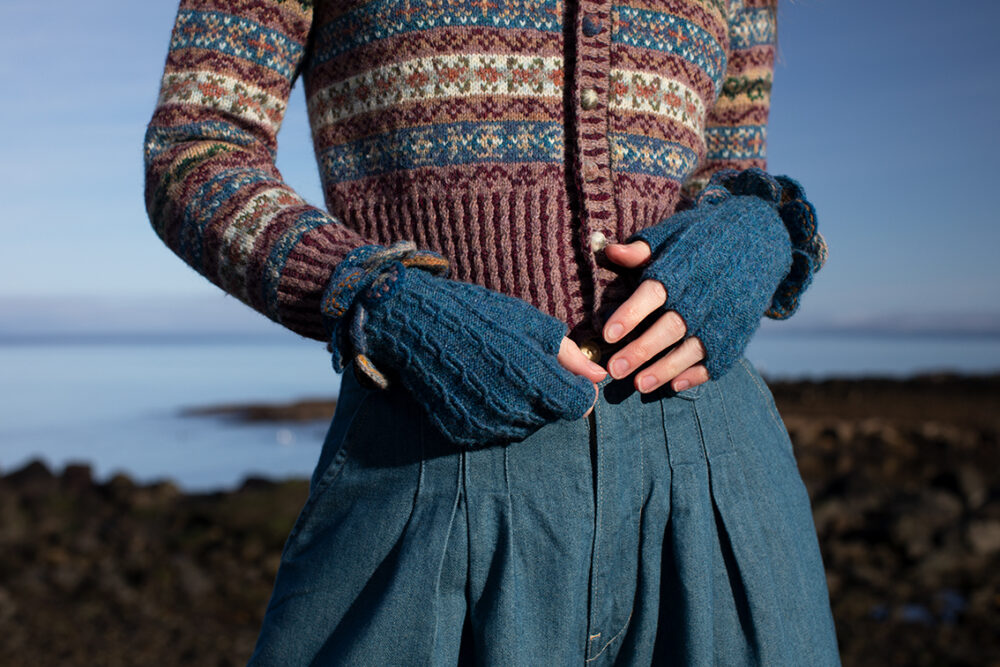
pixel 237 37
pixel 159 139
pixel 437 77
pixel 751 27
pixel 240 237
pixel 381 19
pixel 665 32
pixel 647 155
pixel 223 93
pixel 205 203
pixel 651 93
pixel 445 144
pixel 745 142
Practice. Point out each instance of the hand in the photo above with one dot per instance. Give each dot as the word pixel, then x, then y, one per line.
pixel 484 366
pixel 681 365
pixel 575 361
pixel 718 266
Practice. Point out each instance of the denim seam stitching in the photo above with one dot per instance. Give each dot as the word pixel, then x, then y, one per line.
pixel 444 551
pixel 330 475
pixel 770 409
pixel 612 640
pixel 779 424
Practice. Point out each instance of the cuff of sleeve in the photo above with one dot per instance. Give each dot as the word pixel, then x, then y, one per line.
pixel 371 272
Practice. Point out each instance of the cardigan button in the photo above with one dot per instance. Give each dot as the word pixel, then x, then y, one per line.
pixel 588 98
pixel 597 241
pixel 591 25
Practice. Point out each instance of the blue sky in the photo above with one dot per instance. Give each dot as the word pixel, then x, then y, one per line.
pixel 884 111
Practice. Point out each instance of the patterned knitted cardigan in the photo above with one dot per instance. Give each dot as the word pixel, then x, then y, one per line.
pixel 514 137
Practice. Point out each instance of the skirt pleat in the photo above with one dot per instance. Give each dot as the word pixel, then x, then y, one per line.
pixel 665 529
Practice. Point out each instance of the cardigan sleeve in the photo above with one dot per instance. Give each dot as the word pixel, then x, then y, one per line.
pixel 736 126
pixel 212 191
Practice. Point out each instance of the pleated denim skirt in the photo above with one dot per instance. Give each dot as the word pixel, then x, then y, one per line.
pixel 664 529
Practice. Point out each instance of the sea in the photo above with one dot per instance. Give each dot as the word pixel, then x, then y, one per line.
pixel 118 404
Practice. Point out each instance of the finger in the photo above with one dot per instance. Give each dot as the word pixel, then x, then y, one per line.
pixel 685 355
pixel 660 335
pixel 629 255
pixel 690 378
pixel 575 361
pixel 594 404
pixel 647 297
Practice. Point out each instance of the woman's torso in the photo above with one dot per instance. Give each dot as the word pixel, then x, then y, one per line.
pixel 515 136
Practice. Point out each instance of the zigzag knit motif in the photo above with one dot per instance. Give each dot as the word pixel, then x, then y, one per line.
pixel 501 136
pixel 482 364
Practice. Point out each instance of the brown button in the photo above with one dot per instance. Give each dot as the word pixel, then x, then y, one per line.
pixel 591 350
pixel 589 98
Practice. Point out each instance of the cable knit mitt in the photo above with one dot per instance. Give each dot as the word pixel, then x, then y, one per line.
pixel 748 248
pixel 482 364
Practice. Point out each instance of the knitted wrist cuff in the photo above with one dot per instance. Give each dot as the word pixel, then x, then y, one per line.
pixel 809 250
pixel 370 272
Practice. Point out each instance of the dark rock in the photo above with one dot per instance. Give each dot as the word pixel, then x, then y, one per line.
pixel 984 537
pixel 32 479
pixel 920 521
pixel 257 484
pixel 77 477
pixel 120 488
pixel 973 486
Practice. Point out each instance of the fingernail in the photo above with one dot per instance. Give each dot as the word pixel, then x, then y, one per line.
pixel 619 367
pixel 597 368
pixel 646 382
pixel 681 385
pixel 614 332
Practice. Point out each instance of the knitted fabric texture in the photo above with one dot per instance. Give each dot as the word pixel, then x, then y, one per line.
pixel 809 249
pixel 502 137
pixel 482 364
pixel 721 263
pixel 366 268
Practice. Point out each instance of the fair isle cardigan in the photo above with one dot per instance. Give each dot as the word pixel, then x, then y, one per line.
pixel 514 137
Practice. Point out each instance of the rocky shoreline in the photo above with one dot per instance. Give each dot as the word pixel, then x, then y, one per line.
pixel 904 476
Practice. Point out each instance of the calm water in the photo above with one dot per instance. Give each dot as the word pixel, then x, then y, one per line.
pixel 116 405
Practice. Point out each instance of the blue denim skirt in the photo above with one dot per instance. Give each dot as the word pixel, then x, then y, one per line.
pixel 662 529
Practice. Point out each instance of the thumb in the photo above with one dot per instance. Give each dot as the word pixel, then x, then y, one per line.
pixel 629 255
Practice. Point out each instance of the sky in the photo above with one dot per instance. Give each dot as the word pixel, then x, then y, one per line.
pixel 884 111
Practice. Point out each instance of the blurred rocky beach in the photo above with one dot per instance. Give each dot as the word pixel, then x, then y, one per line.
pixel 904 476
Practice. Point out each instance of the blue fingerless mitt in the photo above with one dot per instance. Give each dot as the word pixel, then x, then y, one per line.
pixel 747 248
pixel 482 364
pixel 809 249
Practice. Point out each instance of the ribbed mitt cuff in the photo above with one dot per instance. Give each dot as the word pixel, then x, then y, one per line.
pixel 482 364
pixel 360 269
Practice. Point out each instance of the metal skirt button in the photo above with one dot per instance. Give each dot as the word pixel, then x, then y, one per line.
pixel 591 350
